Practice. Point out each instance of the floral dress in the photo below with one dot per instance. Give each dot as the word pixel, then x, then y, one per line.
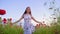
pixel 28 27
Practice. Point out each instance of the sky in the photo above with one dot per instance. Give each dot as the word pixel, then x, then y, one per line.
pixel 15 8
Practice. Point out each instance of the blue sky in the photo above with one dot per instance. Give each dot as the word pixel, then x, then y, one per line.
pixel 15 8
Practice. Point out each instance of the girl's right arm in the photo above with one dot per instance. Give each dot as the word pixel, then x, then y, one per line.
pixel 19 19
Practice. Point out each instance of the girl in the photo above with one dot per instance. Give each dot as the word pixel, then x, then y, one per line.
pixel 27 21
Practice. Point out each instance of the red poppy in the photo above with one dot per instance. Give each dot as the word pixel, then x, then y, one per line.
pixel 2 12
pixel 37 25
pixel 4 20
pixel 10 19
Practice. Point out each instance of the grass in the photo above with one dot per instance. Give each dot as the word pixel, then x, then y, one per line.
pixel 18 30
pixel 48 30
pixel 54 29
pixel 10 30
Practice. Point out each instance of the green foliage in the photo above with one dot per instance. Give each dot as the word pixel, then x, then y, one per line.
pixel 0 20
pixel 58 19
pixel 10 30
pixel 54 29
pixel 48 30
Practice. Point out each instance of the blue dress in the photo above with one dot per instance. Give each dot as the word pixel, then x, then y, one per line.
pixel 28 27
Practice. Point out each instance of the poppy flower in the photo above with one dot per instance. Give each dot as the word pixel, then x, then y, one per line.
pixel 4 20
pixel 37 25
pixel 2 12
pixel 10 19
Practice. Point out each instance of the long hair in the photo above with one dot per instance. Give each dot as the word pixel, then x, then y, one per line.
pixel 26 11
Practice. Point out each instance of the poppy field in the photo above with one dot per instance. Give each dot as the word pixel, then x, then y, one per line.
pixel 53 29
pixel 18 30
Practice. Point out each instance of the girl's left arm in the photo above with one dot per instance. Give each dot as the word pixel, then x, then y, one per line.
pixel 35 19
pixel 19 20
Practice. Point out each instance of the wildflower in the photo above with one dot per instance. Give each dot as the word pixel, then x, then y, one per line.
pixel 4 21
pixel 2 12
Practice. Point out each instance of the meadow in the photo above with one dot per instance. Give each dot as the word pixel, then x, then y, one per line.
pixel 53 29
